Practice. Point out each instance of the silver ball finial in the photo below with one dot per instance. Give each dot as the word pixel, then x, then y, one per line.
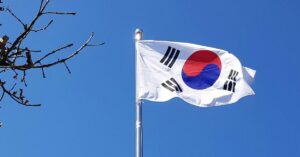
pixel 138 34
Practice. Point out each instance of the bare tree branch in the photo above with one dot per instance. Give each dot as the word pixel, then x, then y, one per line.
pixel 19 20
pixel 18 59
pixel 44 28
pixel 53 52
pixel 60 13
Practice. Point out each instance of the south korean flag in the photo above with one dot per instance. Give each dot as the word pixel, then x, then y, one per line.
pixel 199 75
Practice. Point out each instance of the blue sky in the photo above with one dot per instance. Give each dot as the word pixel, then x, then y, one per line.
pixel 92 112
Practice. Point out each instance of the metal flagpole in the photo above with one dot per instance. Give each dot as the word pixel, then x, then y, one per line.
pixel 139 129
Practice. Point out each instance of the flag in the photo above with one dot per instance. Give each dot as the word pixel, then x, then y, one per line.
pixel 200 75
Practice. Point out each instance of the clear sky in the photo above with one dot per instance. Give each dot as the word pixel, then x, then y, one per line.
pixel 92 112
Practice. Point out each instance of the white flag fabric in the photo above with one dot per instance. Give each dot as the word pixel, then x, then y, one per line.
pixel 200 75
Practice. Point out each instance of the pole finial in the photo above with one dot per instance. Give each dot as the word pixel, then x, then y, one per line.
pixel 138 34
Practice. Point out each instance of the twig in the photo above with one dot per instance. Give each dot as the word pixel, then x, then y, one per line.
pixel 14 57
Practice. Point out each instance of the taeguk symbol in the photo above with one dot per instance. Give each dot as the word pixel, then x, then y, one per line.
pixel 201 70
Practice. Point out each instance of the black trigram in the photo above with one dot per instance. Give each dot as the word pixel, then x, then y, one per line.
pixel 172 85
pixel 170 57
pixel 229 85
pixel 232 75
pixel 231 82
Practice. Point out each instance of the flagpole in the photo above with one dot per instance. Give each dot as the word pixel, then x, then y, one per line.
pixel 139 128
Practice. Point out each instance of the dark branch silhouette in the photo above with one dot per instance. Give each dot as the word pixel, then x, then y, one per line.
pixel 18 59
